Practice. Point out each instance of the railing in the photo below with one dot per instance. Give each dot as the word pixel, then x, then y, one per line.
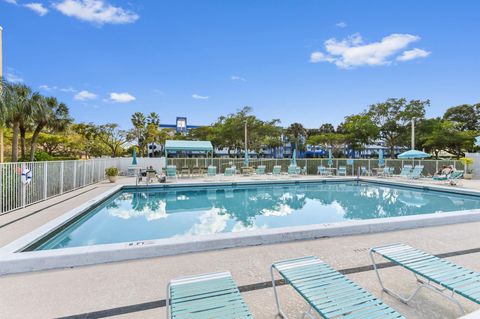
pixel 430 166
pixel 49 179
pixel 54 178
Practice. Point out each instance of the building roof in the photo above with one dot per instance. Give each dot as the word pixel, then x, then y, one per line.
pixel 174 145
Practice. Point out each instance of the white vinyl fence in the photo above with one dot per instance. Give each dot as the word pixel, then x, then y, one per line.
pixel 54 178
pixel 57 177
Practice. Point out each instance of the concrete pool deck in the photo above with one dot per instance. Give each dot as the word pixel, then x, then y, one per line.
pixel 136 289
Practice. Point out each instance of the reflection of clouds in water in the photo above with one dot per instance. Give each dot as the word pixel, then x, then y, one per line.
pixel 211 222
pixel 282 210
pixel 124 210
pixel 339 210
pixel 286 196
pixel 239 227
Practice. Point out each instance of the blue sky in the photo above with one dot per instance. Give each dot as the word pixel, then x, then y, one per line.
pixel 300 61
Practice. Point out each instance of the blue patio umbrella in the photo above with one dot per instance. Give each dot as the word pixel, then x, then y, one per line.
pixel 381 160
pixel 246 159
pixel 477 141
pixel 134 159
pixel 294 158
pixel 330 158
pixel 413 154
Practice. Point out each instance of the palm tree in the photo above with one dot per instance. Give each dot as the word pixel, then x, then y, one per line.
pixel 5 112
pixel 296 132
pixel 153 118
pixel 47 112
pixel 139 130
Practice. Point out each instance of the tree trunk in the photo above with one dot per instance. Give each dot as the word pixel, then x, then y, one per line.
pixel 33 144
pixel 23 132
pixel 15 142
pixel 1 145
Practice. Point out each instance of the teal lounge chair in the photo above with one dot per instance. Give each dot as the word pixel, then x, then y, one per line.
pixel 293 170
pixel 322 171
pixel 406 170
pixel 364 171
pixel 211 171
pixel 260 170
pixel 303 171
pixel 277 170
pixel 328 292
pixel 205 296
pixel 229 171
pixel 439 275
pixel 453 178
pixel 416 172
pixel 342 171
pixel 172 171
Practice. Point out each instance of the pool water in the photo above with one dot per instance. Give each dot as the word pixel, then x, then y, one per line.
pixel 135 215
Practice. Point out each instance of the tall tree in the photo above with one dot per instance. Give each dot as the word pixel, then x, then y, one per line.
pixel 465 116
pixel 114 138
pixel 359 131
pixel 327 128
pixel 393 115
pixel 47 112
pixel 138 132
pixel 296 132
pixel 5 113
pixel 20 111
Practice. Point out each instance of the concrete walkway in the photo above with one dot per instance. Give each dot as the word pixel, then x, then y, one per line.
pixel 136 289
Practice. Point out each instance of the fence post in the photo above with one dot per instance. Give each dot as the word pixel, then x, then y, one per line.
pixel 45 180
pixel 74 175
pixel 84 173
pixel 61 176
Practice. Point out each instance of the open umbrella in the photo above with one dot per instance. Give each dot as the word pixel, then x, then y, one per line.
pixel 381 160
pixel 330 158
pixel 294 158
pixel 413 154
pixel 134 156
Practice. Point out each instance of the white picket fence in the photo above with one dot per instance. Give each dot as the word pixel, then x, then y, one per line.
pixel 56 177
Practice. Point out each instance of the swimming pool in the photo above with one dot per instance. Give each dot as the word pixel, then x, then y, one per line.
pixel 177 212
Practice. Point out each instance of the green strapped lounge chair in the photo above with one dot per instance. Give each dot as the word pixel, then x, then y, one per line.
pixel 277 170
pixel 172 171
pixel 406 170
pixel 205 296
pixel 416 172
pixel 211 171
pixel 328 292
pixel 453 178
pixel 260 170
pixel 431 272
pixel 342 171
pixel 293 170
pixel 322 171
pixel 229 171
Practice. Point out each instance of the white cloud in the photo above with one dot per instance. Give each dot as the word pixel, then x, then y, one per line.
pixel 68 89
pixel 37 7
pixel 121 97
pixel 413 54
pixel 341 24
pixel 96 11
pixel 353 52
pixel 47 88
pixel 13 78
pixel 85 95
pixel 199 97
pixel 11 1
pixel 237 78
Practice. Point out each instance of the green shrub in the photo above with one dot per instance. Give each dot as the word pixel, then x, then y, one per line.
pixel 111 171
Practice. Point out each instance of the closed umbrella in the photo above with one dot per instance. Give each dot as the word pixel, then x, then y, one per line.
pixel 381 160
pixel 294 158
pixel 134 156
pixel 246 159
pixel 330 158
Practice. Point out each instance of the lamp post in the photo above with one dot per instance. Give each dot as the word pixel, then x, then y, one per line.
pixel 246 145
pixel 413 133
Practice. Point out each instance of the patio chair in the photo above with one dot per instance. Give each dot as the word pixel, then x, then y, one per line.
pixel 342 171
pixel 406 170
pixel 211 171
pixel 439 275
pixel 322 171
pixel 293 170
pixel 453 178
pixel 212 295
pixel 172 172
pixel 328 292
pixel 364 171
pixel 416 172
pixel 303 170
pixel 277 170
pixel 260 170
pixel 229 171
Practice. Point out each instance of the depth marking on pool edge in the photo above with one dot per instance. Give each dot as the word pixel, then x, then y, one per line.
pixel 245 288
